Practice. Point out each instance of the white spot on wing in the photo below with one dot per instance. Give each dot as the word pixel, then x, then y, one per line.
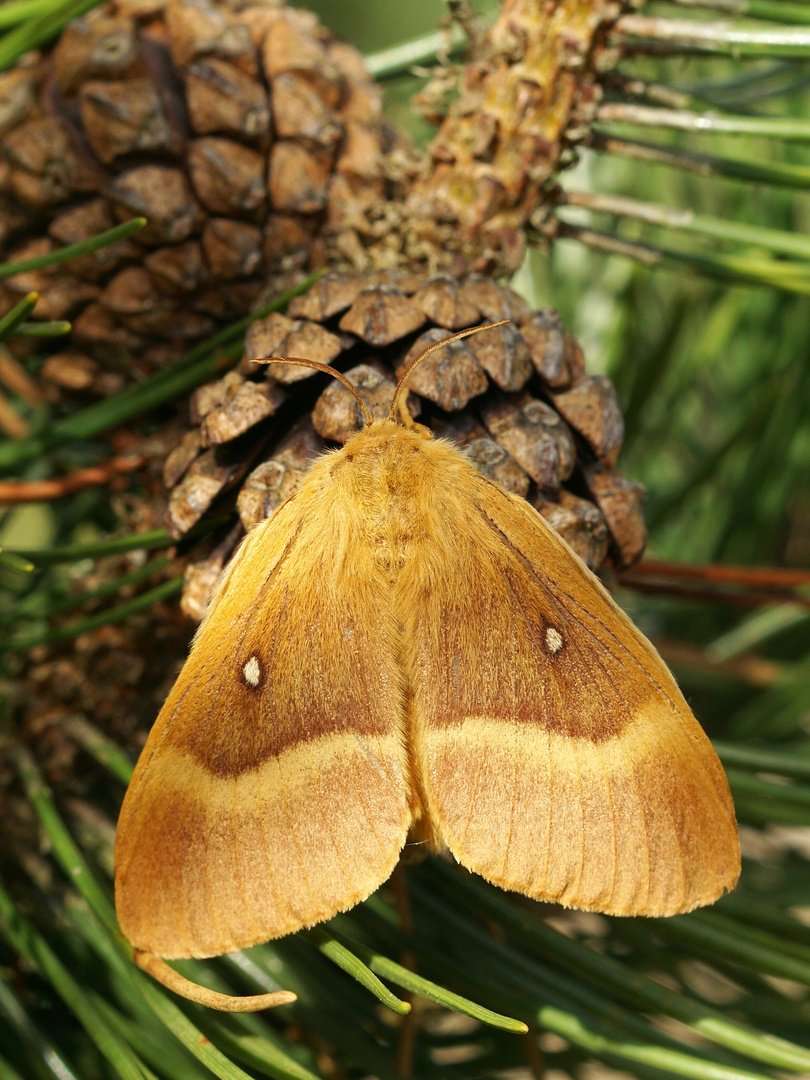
pixel 554 639
pixel 252 671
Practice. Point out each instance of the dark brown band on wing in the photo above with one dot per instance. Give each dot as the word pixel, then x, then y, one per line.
pixel 532 657
pixel 302 659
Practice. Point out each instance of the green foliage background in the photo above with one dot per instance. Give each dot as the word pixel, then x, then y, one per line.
pixel 714 379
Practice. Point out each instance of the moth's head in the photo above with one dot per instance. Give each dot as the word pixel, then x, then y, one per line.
pixel 400 393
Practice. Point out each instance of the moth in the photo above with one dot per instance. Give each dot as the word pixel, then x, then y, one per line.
pixel 406 650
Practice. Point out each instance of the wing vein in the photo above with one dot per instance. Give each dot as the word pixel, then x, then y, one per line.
pixel 614 833
pixel 271 877
pixel 242 890
pixel 554 589
pixel 634 775
pixel 641 667
pixel 293 836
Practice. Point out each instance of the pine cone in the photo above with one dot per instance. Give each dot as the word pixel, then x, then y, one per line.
pixel 517 398
pixel 244 132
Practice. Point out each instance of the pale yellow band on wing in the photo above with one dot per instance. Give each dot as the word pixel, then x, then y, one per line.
pixel 221 864
pixel 638 824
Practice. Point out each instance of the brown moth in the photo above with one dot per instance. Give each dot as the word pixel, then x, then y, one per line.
pixel 403 648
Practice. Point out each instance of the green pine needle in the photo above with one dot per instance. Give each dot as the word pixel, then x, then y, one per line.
pixel 56 328
pixel 119 613
pixel 10 322
pixel 152 540
pixel 72 251
pixel 40 24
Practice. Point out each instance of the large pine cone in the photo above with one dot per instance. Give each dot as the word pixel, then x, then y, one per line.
pixel 252 141
pixel 249 137
pixel 517 398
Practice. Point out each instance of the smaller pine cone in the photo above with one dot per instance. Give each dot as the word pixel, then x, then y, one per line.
pixel 515 398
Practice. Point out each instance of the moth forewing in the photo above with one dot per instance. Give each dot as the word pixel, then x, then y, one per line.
pixel 558 756
pixel 272 790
